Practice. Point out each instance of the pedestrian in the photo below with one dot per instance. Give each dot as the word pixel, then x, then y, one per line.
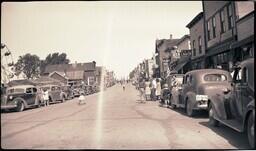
pixel 147 90
pixel 81 99
pixel 158 89
pixel 153 89
pixel 142 89
pixel 46 97
pixel 123 87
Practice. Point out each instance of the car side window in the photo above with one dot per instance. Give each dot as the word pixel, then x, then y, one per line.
pixel 29 90
pixel 34 90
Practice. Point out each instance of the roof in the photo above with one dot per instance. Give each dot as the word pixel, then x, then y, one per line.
pixel 20 82
pixel 183 39
pixel 46 80
pixel 90 66
pixel 164 44
pixel 195 20
pixel 20 86
pixel 62 74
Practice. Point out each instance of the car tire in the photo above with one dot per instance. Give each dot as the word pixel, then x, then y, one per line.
pixel 250 130
pixel 171 102
pixel 212 121
pixel 20 106
pixel 189 110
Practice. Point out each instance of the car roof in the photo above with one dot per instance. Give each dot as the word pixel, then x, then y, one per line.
pixel 207 71
pixel 21 86
pixel 48 85
pixel 247 62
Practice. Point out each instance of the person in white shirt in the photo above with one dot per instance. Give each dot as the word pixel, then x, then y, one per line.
pixel 81 99
pixel 46 97
pixel 153 89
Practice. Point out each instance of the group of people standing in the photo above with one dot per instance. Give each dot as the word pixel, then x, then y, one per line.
pixel 150 89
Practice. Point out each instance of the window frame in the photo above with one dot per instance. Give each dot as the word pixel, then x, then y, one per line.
pixel 200 44
pixel 222 21
pixel 214 26
pixel 230 16
pixel 208 30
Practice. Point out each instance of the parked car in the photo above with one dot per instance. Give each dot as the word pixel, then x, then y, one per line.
pixel 21 97
pixel 76 90
pixel 68 91
pixel 199 86
pixel 236 108
pixel 175 87
pixel 55 93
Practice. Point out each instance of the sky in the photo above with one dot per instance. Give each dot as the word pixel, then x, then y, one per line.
pixel 116 34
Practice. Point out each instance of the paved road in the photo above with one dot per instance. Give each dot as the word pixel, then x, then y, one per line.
pixel 114 119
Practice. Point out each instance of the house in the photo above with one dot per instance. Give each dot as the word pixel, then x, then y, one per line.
pixel 163 55
pixel 197 37
pixel 60 76
pixel 76 73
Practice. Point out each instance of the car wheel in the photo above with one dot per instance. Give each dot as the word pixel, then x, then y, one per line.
pixel 20 106
pixel 189 109
pixel 250 130
pixel 212 121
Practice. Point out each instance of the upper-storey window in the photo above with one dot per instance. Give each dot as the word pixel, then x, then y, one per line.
pixel 214 26
pixel 200 44
pixel 230 17
pixel 222 21
pixel 194 48
pixel 208 30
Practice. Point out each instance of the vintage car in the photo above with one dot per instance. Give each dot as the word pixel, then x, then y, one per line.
pixel 199 86
pixel 67 90
pixel 175 86
pixel 236 108
pixel 55 93
pixel 21 97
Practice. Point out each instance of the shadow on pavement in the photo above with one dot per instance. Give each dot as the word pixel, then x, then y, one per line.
pixel 198 114
pixel 235 138
pixel 140 101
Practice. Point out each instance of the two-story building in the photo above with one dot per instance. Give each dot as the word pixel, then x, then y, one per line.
pixel 244 47
pixel 163 55
pixel 197 37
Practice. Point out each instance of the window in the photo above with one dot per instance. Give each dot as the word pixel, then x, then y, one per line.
pixel 215 77
pixel 29 90
pixel 194 49
pixel 200 44
pixel 208 30
pixel 222 21
pixel 214 26
pixel 230 17
pixel 34 90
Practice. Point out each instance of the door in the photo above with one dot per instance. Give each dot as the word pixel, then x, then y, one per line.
pixel 30 96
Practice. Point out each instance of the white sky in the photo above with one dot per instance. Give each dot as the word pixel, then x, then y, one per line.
pixel 118 35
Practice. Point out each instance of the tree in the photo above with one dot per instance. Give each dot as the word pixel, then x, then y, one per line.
pixel 29 65
pixel 52 59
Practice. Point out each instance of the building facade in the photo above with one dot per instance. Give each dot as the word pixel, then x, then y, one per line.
pixel 197 37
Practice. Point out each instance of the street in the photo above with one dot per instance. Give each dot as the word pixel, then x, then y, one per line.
pixel 113 119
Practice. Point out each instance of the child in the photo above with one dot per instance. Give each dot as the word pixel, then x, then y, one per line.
pixel 81 99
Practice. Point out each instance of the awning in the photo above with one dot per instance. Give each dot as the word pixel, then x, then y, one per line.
pixel 219 49
pixel 243 42
pixel 180 65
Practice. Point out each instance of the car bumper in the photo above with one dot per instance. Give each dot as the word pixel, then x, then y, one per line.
pixel 10 106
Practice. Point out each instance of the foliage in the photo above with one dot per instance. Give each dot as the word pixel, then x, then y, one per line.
pixel 29 65
pixel 52 59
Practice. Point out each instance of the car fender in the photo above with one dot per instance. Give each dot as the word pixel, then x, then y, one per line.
pixel 20 98
pixel 249 108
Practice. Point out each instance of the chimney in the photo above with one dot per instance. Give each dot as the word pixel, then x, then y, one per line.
pixel 170 36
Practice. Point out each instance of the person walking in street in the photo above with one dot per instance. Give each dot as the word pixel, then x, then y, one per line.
pixel 142 90
pixel 147 90
pixel 158 89
pixel 46 97
pixel 153 90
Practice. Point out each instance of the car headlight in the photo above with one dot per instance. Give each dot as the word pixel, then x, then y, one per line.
pixel 10 97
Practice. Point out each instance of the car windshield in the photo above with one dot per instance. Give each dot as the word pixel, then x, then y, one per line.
pixel 215 77
pixel 17 90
